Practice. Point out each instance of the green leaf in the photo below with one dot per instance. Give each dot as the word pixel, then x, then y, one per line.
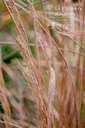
pixel 26 2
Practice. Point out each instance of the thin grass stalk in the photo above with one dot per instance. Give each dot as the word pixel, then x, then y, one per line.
pixel 78 66
pixel 3 96
pixel 37 48
pixel 51 94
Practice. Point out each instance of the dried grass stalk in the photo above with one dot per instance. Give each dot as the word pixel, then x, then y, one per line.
pixel 51 94
pixel 30 72
pixel 3 97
